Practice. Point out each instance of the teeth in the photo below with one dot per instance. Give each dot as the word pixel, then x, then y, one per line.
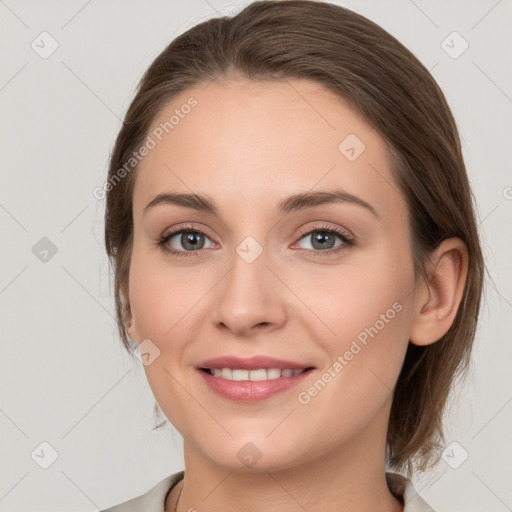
pixel 259 374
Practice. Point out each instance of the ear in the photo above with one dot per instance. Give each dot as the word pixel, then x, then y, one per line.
pixel 438 300
pixel 131 326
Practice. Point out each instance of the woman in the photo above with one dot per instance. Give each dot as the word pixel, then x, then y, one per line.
pixel 296 260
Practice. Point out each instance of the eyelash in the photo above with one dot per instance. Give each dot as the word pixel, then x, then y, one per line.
pixel 347 241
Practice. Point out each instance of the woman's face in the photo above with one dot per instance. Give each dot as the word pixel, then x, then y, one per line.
pixel 266 275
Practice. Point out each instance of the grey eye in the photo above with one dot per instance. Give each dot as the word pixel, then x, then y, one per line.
pixel 321 239
pixel 189 240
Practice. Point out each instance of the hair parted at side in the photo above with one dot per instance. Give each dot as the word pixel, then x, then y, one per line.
pixel 393 92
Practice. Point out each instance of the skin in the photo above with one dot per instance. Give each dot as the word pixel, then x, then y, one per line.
pixel 248 145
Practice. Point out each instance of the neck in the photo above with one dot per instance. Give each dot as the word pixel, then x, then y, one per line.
pixel 348 478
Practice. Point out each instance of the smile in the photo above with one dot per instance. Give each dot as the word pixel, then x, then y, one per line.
pixel 253 375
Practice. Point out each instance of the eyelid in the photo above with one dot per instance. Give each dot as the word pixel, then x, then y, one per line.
pixel 187 226
pixel 325 226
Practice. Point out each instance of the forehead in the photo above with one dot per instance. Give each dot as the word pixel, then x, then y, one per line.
pixel 246 142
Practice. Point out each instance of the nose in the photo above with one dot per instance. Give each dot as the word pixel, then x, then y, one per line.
pixel 250 298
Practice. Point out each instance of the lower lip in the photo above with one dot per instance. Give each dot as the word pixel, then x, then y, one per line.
pixel 251 390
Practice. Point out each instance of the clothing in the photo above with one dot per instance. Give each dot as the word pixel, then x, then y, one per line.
pixel 154 499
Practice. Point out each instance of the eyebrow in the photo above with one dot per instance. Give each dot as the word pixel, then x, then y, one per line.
pixel 295 202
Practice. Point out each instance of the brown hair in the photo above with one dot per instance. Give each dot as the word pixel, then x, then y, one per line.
pixel 396 95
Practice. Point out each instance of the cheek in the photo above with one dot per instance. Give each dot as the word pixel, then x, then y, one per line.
pixel 159 298
pixel 353 295
pixel 161 308
pixel 367 312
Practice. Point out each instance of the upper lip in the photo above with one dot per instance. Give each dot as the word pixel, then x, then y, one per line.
pixel 251 363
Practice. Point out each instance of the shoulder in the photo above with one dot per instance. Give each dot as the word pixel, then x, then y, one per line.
pixel 403 489
pixel 152 500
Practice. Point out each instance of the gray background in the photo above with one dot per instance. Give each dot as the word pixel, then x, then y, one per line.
pixel 64 378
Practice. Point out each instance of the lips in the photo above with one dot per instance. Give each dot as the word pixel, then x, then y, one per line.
pixel 252 379
pixel 251 363
pixel 252 390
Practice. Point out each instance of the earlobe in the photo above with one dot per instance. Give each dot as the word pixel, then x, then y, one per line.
pixel 440 297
